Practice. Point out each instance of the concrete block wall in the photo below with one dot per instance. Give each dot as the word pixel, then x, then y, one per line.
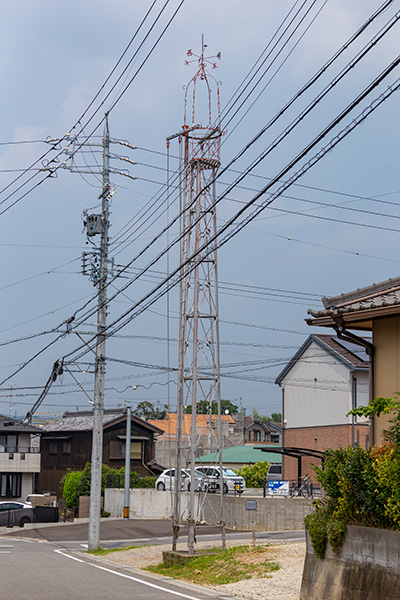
pixel 272 514
pixel 366 567
pixel 145 503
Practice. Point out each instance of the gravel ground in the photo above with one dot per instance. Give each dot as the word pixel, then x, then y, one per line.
pixel 282 584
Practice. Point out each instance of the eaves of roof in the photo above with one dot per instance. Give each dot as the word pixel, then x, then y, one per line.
pixel 13 425
pixel 359 307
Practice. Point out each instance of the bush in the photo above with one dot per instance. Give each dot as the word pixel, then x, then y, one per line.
pixel 362 486
pixel 70 487
pixel 316 523
pixel 77 483
pixel 254 475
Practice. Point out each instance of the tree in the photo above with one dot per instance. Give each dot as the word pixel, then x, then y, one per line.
pixel 203 408
pixel 254 475
pixel 275 417
pixel 146 410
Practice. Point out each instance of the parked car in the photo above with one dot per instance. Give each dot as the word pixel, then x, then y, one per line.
pixel 274 473
pixel 45 499
pixel 166 481
pixel 232 481
pixel 15 513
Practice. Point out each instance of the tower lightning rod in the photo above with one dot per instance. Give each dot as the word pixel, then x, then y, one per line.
pixel 98 408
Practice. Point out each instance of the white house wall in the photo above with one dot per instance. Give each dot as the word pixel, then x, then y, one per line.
pixel 318 390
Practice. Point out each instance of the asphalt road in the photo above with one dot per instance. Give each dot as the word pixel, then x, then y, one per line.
pixel 36 570
pixel 120 532
pixel 48 562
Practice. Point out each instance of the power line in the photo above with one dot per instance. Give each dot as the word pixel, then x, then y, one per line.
pixel 297 158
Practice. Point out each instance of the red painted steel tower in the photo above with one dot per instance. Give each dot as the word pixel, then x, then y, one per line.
pixel 199 366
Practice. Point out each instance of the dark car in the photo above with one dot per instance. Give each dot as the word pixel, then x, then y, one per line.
pixel 15 513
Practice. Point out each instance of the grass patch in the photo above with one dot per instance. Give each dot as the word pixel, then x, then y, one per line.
pixel 103 551
pixel 218 567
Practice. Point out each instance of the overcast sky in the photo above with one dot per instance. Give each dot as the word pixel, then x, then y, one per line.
pixel 333 231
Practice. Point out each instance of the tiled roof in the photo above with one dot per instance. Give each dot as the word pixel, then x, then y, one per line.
pixel 83 421
pixel 374 297
pixel 169 424
pixel 13 425
pixel 241 454
pixel 269 425
pixel 351 355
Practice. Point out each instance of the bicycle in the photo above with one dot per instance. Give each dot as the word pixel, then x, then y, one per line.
pixel 301 487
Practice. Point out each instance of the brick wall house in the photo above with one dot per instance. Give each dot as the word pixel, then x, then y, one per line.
pixel 320 385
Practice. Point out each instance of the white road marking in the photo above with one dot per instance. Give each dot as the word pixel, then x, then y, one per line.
pixel 136 579
pixel 5 551
pixel 69 556
pixel 26 541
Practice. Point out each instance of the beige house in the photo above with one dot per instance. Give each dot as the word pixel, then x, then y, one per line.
pixel 374 309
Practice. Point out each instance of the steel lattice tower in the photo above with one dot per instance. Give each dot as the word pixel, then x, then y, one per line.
pixel 199 365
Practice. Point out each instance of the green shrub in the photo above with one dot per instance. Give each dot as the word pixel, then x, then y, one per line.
pixel 362 486
pixel 146 482
pixel 77 483
pixel 336 530
pixel 254 475
pixel 316 523
pixel 71 485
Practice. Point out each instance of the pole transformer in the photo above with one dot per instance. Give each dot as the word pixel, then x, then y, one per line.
pixel 98 409
pixel 199 363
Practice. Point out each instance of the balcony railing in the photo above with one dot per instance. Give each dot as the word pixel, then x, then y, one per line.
pixel 19 449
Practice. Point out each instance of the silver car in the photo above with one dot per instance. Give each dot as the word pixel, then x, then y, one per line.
pixel 15 513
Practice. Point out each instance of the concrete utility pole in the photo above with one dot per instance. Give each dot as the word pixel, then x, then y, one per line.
pixel 127 462
pixel 98 410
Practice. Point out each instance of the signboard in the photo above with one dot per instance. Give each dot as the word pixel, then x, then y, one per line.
pixel 278 488
pixel 250 504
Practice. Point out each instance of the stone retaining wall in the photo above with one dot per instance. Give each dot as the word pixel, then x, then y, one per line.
pixel 366 568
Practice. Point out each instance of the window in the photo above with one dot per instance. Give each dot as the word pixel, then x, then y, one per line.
pixel 257 436
pixel 10 485
pixel 53 447
pixel 8 442
pixel 275 438
pixel 136 450
pixel 66 447
pixel 115 451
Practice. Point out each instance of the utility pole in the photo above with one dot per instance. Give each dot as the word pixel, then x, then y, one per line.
pixel 95 264
pixel 98 409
